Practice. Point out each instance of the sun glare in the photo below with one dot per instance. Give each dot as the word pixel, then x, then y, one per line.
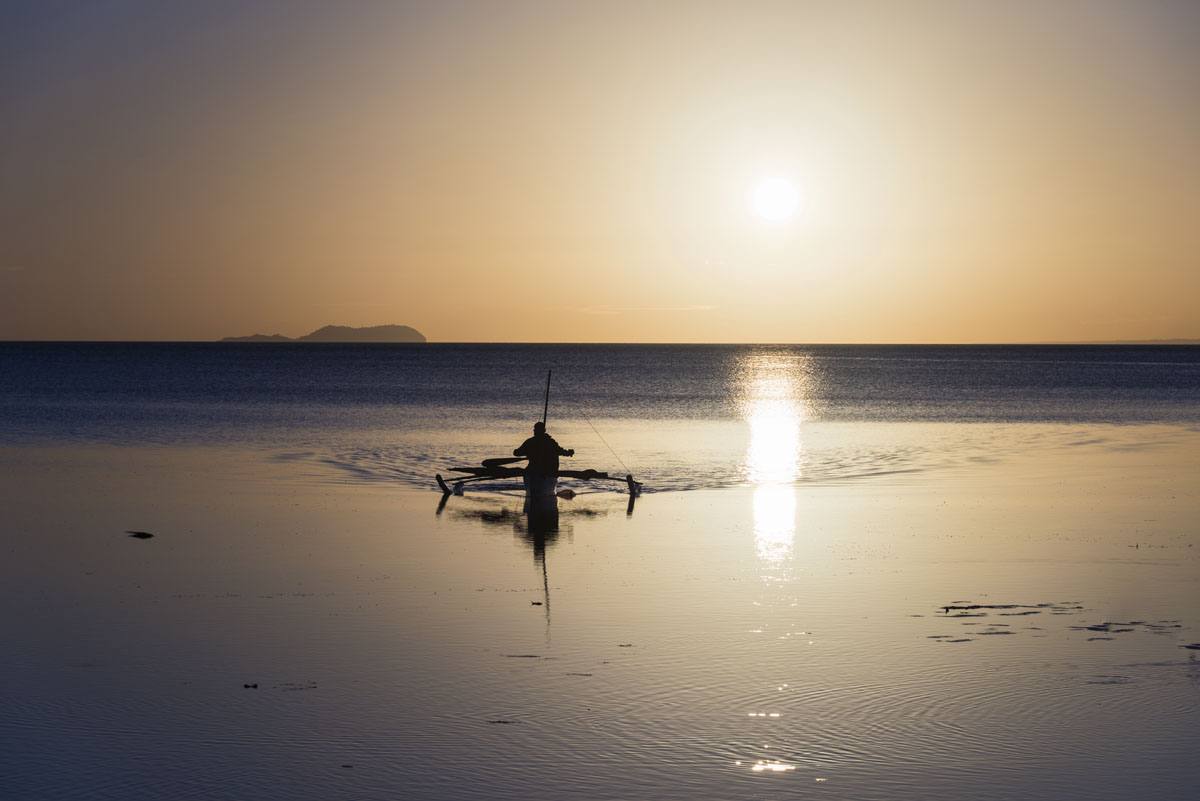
pixel 775 199
pixel 773 391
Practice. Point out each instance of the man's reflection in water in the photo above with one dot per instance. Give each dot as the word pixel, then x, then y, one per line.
pixel 541 525
pixel 540 529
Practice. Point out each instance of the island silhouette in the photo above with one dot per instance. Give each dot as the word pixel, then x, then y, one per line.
pixel 343 333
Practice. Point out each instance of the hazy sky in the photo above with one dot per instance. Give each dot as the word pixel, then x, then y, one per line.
pixel 571 171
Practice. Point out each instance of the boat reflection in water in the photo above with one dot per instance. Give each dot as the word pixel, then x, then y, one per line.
pixel 773 389
pixel 539 523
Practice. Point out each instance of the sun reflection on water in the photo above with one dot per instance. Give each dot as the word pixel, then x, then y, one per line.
pixel 773 390
pixel 774 453
pixel 774 521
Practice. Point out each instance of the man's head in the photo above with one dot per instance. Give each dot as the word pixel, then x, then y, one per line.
pixel 539 428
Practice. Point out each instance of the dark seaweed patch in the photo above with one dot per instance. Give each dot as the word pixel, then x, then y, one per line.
pixel 1110 680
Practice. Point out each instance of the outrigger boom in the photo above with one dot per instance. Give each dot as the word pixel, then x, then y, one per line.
pixel 494 469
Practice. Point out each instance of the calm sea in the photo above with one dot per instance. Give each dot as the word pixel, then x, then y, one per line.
pixel 683 416
pixel 927 573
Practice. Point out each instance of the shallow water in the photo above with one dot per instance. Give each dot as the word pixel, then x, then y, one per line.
pixel 856 573
pixel 758 642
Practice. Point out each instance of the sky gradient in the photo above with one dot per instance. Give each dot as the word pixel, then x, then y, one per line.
pixel 967 171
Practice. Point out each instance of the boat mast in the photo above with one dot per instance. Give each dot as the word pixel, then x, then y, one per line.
pixel 546 408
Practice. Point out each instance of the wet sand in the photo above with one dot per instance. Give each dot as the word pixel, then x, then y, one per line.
pixel 1016 629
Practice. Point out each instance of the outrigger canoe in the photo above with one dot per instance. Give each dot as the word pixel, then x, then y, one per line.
pixel 537 485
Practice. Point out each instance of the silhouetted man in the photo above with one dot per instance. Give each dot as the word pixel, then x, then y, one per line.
pixel 542 451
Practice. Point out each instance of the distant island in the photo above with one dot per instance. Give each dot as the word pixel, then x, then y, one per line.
pixel 343 333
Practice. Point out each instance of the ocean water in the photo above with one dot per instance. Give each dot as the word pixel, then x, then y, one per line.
pixel 680 417
pixel 170 391
pixel 857 573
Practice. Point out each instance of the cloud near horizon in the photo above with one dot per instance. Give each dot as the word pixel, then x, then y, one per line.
pixel 645 309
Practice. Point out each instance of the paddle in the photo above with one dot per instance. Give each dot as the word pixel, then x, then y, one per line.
pixel 501 462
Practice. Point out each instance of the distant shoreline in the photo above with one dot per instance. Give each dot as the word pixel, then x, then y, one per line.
pixel 382 334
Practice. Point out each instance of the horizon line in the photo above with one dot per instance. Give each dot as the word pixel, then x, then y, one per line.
pixel 990 343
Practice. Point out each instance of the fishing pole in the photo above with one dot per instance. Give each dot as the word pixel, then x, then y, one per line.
pixel 588 420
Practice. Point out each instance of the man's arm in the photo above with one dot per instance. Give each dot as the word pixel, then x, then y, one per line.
pixel 521 450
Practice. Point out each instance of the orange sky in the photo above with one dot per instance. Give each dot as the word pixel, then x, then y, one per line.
pixel 580 171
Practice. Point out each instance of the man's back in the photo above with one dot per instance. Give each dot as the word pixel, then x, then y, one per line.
pixel 542 452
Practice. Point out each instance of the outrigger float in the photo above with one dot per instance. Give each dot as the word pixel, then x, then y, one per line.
pixel 537 485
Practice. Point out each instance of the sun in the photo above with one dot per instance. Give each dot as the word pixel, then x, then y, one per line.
pixel 775 199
